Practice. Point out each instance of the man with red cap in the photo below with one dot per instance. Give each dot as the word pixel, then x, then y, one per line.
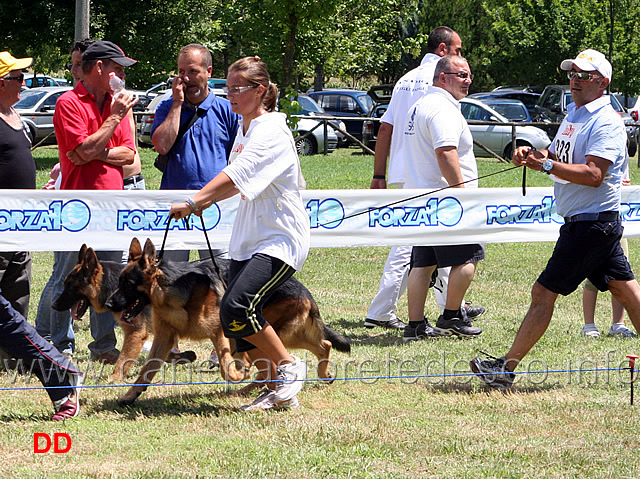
pixel 94 145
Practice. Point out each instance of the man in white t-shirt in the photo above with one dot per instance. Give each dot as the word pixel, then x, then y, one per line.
pixel 410 88
pixel 437 138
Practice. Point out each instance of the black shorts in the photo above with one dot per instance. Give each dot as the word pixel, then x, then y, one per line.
pixel 586 249
pixel 443 256
pixel 251 284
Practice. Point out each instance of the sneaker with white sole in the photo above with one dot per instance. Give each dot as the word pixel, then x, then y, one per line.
pixel 289 379
pixel 622 331
pixel 493 372
pixel 590 331
pixel 460 327
pixel 267 400
pixel 69 406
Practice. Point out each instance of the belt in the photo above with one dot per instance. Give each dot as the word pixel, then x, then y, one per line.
pixel 604 216
pixel 132 180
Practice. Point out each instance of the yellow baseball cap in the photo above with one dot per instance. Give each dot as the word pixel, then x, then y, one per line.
pixel 9 63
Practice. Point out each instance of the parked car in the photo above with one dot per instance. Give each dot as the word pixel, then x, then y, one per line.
pixel 308 146
pixel 381 96
pixel 529 98
pixel 37 81
pixel 495 137
pixel 552 108
pixel 627 101
pixel 314 143
pixel 36 107
pixel 512 110
pixel 345 103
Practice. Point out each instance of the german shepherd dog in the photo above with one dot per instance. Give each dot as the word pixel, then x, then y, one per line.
pixel 92 282
pixel 185 300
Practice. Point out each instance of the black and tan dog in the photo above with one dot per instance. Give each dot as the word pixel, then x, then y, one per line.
pixel 92 282
pixel 185 301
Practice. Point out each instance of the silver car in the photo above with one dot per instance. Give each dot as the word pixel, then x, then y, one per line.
pixel 495 137
pixel 36 107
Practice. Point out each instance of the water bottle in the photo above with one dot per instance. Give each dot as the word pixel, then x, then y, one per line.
pixel 116 84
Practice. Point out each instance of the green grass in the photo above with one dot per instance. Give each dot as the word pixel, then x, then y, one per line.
pixel 561 425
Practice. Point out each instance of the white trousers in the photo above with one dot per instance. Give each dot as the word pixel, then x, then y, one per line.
pixel 394 283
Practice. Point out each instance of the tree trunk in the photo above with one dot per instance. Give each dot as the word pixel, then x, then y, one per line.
pixel 289 52
pixel 318 81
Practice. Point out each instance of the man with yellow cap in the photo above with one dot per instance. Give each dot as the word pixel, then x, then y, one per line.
pixel 17 170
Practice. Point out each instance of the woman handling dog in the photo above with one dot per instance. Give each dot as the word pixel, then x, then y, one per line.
pixel 270 237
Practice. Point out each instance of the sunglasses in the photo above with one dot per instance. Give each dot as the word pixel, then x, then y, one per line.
pixel 19 78
pixel 463 75
pixel 237 90
pixel 582 76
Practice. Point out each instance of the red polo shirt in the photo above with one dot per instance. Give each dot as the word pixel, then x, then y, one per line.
pixel 76 118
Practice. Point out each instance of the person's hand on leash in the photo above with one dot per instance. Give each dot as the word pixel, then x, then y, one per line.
pixel 529 157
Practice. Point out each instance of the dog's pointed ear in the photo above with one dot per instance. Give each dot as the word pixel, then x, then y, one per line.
pixel 82 252
pixel 150 251
pixel 91 260
pixel 135 250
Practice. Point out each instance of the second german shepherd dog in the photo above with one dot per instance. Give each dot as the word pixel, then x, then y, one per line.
pixel 92 282
pixel 185 300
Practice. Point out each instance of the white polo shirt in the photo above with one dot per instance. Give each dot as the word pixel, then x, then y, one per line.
pixel 409 89
pixel 271 218
pixel 435 121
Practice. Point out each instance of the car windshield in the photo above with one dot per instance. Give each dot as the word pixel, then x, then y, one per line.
pixel 28 99
pixel 309 106
pixel 511 111
pixel 366 101
pixel 614 102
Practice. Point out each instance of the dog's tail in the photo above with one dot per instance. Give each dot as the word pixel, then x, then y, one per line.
pixel 338 341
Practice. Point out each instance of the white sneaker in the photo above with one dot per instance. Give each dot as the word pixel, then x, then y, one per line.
pixel 590 331
pixel 290 378
pixel 267 400
pixel 621 330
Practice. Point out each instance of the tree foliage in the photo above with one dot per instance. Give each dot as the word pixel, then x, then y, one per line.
pixel 354 42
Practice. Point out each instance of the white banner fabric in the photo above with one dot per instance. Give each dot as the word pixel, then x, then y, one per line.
pixel 45 220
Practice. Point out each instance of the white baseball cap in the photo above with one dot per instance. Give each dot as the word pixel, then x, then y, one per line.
pixel 589 60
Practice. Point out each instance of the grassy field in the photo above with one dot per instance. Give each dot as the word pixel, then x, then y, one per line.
pixel 555 424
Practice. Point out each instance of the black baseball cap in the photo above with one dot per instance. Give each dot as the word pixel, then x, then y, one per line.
pixel 103 50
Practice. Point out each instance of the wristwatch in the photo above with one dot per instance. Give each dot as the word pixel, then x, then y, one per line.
pixel 546 166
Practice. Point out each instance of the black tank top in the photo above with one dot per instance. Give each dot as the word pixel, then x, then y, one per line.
pixel 17 166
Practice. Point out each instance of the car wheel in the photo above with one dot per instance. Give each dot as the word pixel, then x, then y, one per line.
pixel 306 146
pixel 30 134
pixel 509 149
pixel 633 148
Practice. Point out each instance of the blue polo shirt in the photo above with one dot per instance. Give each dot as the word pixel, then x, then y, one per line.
pixel 599 131
pixel 203 151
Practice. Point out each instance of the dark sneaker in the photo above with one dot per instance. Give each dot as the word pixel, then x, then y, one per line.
pixel 424 330
pixel 456 326
pixel 110 357
pixel 473 311
pixel 493 372
pixel 69 407
pixel 393 323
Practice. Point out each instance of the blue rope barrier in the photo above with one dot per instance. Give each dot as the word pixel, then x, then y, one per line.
pixel 358 378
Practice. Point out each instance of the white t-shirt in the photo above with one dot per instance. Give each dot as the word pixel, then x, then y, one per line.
pixel 409 89
pixel 435 121
pixel 271 218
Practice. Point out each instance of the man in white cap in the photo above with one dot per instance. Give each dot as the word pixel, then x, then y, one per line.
pixel 586 159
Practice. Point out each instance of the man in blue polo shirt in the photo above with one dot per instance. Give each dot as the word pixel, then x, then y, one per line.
pixel 203 150
pixel 586 160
